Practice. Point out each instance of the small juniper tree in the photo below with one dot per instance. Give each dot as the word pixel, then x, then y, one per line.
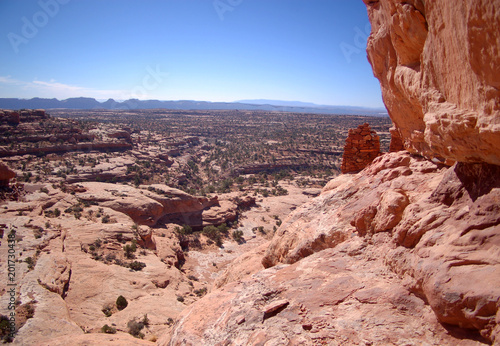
pixel 121 303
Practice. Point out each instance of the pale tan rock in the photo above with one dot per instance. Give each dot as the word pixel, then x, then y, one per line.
pixel 243 266
pixel 71 288
pixel 348 205
pixel 117 339
pixel 49 306
pixel 223 212
pixel 438 66
pixel 149 204
pixel 384 215
pixel 53 273
pixel 334 296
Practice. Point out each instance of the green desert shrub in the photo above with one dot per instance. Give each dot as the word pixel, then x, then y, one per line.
pixel 108 330
pixel 121 303
pixel 136 265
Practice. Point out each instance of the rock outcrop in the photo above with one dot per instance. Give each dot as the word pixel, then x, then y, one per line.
pixel 26 115
pixel 403 233
pixel 396 143
pixel 361 148
pixel 6 174
pixel 64 148
pixel 439 67
pixel 9 117
pixel 159 203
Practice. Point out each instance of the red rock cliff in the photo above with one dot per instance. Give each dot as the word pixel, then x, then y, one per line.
pixel 438 64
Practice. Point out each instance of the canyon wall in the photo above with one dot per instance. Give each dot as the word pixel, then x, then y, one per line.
pixel 438 64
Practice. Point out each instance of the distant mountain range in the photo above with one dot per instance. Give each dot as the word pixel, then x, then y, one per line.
pixel 264 105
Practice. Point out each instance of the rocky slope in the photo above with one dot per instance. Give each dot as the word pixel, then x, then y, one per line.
pixel 71 264
pixel 408 250
pixel 404 240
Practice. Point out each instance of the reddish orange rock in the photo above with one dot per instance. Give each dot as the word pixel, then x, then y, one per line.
pixel 361 148
pixel 5 174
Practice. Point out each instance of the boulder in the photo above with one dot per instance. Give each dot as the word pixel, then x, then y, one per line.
pixel 5 174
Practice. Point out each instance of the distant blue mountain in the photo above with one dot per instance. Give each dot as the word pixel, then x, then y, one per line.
pixel 264 105
pixel 324 108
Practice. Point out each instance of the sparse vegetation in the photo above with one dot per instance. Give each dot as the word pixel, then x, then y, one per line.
pixel 238 236
pixel 130 249
pixel 108 310
pixel 134 328
pixel 108 330
pixel 201 292
pixel 121 303
pixel 136 265
pixel 259 154
pixel 31 263
pixel 5 329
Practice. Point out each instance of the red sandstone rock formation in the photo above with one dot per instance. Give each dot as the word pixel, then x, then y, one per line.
pixel 439 67
pixel 5 174
pixel 396 140
pixel 101 146
pixel 361 148
pixel 160 202
pixel 10 117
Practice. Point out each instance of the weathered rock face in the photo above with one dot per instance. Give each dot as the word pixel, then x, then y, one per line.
pixel 439 69
pixel 406 242
pixel 325 299
pixel 361 148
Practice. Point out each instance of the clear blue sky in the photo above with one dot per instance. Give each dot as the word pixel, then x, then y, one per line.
pixel 211 50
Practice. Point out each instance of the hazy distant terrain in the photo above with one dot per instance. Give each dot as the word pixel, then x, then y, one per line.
pixel 262 105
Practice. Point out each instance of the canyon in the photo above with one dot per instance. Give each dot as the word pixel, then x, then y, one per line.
pixel 208 247
pixel 407 250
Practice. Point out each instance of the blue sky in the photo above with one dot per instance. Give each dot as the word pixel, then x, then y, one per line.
pixel 211 50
